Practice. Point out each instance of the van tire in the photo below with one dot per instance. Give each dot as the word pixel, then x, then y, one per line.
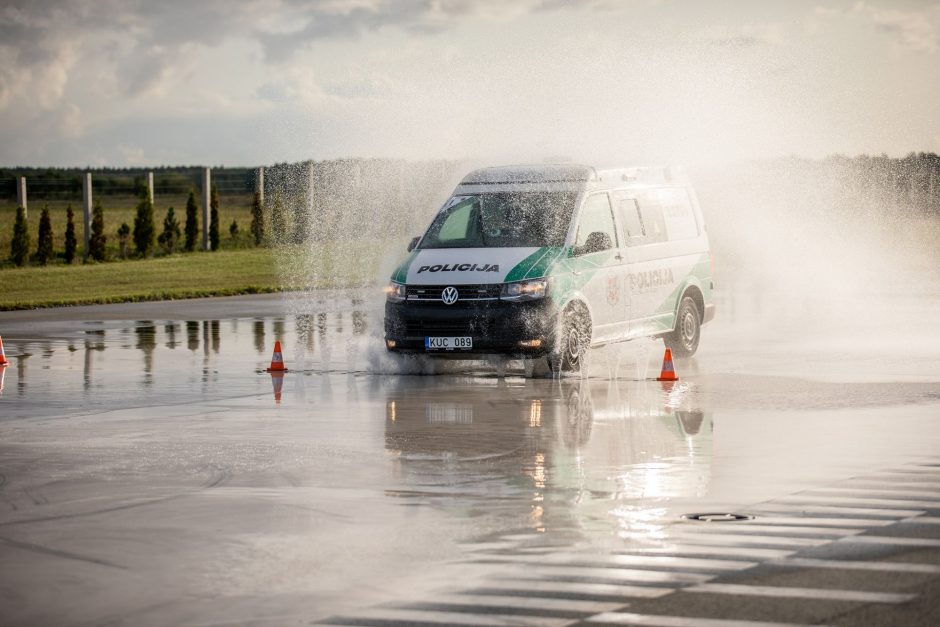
pixel 683 341
pixel 573 342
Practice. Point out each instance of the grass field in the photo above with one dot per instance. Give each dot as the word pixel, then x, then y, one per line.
pixel 176 276
pixel 119 209
pixel 193 275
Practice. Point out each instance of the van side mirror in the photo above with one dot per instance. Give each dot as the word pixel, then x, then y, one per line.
pixel 596 242
pixel 414 242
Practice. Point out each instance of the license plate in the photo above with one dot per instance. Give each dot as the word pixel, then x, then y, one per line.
pixel 448 343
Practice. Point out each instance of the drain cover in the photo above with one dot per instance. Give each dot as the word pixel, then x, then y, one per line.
pixel 718 517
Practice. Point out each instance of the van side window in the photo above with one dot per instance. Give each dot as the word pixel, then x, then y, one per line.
pixel 596 217
pixel 651 211
pixel 629 214
pixel 678 214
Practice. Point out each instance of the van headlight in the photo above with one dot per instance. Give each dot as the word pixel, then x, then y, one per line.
pixel 395 292
pixel 524 290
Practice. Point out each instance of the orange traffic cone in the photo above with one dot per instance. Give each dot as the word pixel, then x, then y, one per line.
pixel 668 373
pixel 3 356
pixel 277 382
pixel 3 374
pixel 277 359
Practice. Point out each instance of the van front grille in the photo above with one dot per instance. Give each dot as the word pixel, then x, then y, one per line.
pixel 489 291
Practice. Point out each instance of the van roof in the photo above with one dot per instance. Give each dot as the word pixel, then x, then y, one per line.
pixel 572 173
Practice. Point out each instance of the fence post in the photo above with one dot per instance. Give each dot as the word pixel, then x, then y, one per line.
pixel 932 190
pixel 86 201
pixel 259 184
pixel 150 186
pixel 21 194
pixel 206 198
pixel 311 183
pixel 309 221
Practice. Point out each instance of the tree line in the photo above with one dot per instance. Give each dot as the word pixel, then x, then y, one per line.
pixel 146 241
pixel 383 199
pixel 66 183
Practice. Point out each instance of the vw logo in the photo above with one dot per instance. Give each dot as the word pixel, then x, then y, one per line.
pixel 449 295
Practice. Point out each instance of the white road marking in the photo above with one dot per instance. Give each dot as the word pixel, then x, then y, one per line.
pixel 892 541
pixel 488 546
pixel 731 551
pixel 534 586
pixel 527 603
pixel 923 520
pixel 837 510
pixel 860 501
pixel 820 521
pixel 678 536
pixel 890 567
pixel 662 561
pixel 451 618
pixel 618 574
pixel 887 493
pixel 624 618
pixel 883 484
pixel 801 593
pixel 929 473
pixel 774 530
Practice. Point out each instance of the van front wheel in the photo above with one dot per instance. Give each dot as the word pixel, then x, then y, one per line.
pixel 573 342
pixel 683 341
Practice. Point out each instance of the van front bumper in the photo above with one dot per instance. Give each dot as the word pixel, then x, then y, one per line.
pixel 525 329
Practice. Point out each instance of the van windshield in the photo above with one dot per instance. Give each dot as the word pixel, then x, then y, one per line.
pixel 502 220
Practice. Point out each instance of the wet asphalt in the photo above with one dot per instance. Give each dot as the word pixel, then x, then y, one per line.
pixel 151 473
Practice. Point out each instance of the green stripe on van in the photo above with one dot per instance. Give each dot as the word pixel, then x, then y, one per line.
pixel 401 274
pixel 702 271
pixel 536 265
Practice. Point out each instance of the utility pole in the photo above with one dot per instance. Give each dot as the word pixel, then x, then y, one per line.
pixel 21 194
pixel 86 206
pixel 206 199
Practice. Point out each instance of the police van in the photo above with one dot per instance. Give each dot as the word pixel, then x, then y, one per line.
pixel 545 262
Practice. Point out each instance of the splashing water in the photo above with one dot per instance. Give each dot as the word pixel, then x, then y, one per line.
pixel 798 246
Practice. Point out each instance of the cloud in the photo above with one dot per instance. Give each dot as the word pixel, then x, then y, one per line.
pixel 740 41
pixel 344 19
pixel 916 30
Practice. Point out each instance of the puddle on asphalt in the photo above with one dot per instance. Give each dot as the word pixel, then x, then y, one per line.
pixel 468 436
pixel 563 457
pixel 606 456
pixel 163 355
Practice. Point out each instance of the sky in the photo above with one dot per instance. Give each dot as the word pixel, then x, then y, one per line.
pixel 254 82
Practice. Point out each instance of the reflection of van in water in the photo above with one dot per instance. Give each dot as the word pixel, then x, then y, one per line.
pixel 547 261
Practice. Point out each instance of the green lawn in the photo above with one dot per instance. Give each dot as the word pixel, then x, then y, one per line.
pixel 178 276
pixel 192 275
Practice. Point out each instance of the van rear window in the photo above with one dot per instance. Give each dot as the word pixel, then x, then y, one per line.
pixel 502 220
pixel 678 214
pixel 667 215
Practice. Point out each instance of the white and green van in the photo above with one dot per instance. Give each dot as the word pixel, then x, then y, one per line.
pixel 543 262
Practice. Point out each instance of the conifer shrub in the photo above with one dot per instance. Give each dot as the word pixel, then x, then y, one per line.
pixel 275 233
pixel 98 240
pixel 170 237
pixel 44 244
pixel 192 222
pixel 214 219
pixel 124 237
pixel 257 220
pixel 71 244
pixel 19 245
pixel 144 228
